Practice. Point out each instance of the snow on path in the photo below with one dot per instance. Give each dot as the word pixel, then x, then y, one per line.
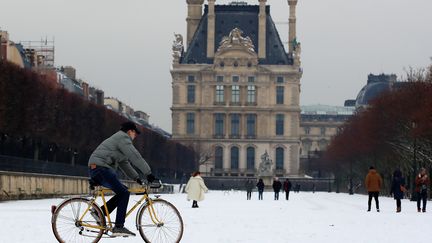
pixel 230 218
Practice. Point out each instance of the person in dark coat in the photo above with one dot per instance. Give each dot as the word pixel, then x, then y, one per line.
pixel 398 188
pixel 249 185
pixel 277 185
pixel 422 181
pixel 287 188
pixel 260 186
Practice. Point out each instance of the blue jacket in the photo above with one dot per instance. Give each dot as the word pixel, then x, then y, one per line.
pixel 395 189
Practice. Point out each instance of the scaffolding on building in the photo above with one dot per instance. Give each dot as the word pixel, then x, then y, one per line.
pixel 40 53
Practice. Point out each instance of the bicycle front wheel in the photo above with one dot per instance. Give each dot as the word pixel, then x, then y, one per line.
pixel 165 225
pixel 70 224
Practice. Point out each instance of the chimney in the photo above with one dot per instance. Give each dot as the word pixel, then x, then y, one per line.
pixel 193 18
pixel 211 28
pixel 292 25
pixel 262 29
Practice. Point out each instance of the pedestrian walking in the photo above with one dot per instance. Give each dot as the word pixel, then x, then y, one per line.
pixel 373 184
pixel 249 185
pixel 422 181
pixel 277 185
pixel 398 189
pixel 287 188
pixel 260 186
pixel 195 189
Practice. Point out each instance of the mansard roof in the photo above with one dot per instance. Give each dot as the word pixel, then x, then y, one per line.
pixel 228 17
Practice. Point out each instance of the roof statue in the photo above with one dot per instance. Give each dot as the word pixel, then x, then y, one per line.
pixel 235 39
pixel 177 47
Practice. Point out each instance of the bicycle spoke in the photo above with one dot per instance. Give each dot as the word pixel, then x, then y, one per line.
pixel 171 229
pixel 68 228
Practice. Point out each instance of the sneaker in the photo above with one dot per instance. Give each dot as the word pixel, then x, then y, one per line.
pixel 95 215
pixel 121 231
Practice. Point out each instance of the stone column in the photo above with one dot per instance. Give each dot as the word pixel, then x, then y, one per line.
pixel 211 28
pixel 193 18
pixel 292 24
pixel 262 29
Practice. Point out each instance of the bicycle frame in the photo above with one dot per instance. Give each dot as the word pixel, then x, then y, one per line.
pixel 137 191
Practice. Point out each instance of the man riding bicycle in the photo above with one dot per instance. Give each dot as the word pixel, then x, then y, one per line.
pixel 116 152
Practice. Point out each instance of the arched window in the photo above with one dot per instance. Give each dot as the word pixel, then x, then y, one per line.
pixel 279 158
pixel 234 158
pixel 250 158
pixel 218 157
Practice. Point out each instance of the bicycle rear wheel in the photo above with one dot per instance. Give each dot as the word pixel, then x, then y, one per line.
pixel 68 227
pixel 170 229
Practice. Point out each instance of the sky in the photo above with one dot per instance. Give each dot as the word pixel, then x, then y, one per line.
pixel 124 47
pixel 227 217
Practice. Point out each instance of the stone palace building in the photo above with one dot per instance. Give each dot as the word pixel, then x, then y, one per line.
pixel 236 89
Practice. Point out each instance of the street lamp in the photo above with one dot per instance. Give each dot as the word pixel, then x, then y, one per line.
pixel 413 194
pixel 350 180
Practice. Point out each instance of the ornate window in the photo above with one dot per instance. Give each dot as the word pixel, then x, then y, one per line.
pixel 219 124
pixel 190 123
pixel 235 125
pixel 279 95
pixel 190 94
pixel 250 158
pixel 235 94
pixel 191 78
pixel 251 94
pixel 279 158
pixel 280 124
pixel 219 93
pixel 218 157
pixel 219 78
pixel 323 131
pixel 250 125
pixel 234 157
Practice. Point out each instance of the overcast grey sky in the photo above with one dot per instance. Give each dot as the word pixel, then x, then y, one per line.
pixel 124 47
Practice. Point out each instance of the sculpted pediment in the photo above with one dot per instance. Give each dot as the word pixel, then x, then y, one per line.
pixel 236 45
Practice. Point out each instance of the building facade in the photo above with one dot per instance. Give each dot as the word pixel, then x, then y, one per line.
pixel 236 90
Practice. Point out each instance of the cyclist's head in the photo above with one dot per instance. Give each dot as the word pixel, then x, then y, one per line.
pixel 129 126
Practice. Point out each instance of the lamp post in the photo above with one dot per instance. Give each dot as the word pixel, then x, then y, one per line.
pixel 413 194
pixel 350 180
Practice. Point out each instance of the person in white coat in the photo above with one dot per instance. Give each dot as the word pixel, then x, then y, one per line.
pixel 195 189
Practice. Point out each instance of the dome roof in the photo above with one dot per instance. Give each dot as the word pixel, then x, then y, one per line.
pixel 371 91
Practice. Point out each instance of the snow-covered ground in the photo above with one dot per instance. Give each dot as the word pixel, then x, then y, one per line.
pixel 228 218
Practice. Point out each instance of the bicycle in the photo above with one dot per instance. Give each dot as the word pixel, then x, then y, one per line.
pixel 80 219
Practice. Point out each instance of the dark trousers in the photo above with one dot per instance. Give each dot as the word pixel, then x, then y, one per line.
pixel 398 203
pixel 260 195
pixel 108 178
pixel 248 195
pixel 375 196
pixel 421 196
pixel 276 196
pixel 287 195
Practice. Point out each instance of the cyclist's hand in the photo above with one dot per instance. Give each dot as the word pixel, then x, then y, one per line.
pixel 139 181
pixel 150 178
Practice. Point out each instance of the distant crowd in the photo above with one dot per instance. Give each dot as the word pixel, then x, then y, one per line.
pixel 373 183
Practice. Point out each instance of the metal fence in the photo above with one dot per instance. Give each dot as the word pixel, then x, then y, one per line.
pixel 8 163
